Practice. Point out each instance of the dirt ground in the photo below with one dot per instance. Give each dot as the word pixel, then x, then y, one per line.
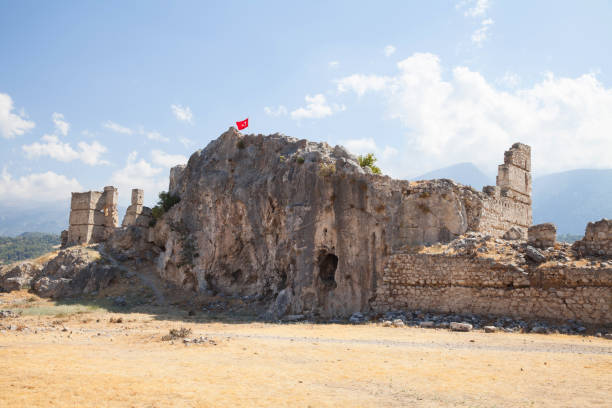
pixel 83 355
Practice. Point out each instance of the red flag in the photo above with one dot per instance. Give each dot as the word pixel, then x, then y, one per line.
pixel 243 124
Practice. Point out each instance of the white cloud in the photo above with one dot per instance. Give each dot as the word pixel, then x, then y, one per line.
pixel 316 108
pixel 60 124
pixel 567 121
pixel 476 8
pixel 389 50
pixel 510 79
pixel 36 187
pixel 182 113
pixel 138 173
pixel 157 137
pixel 481 34
pixel 361 84
pixel 88 153
pixel 12 124
pixel 334 64
pixel 186 142
pixel 280 111
pixel 164 159
pixel 115 127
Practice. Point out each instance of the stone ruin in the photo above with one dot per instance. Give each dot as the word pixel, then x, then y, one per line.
pixel 301 226
pixel 597 239
pixel 94 216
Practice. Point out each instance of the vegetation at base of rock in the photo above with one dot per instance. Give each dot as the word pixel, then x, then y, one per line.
pixel 25 246
pixel 368 161
pixel 300 160
pixel 165 202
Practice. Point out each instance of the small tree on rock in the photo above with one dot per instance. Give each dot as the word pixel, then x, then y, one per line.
pixel 368 161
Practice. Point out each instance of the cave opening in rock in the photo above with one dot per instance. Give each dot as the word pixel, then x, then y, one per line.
pixel 328 263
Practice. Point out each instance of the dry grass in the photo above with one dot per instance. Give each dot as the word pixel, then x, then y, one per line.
pixel 96 363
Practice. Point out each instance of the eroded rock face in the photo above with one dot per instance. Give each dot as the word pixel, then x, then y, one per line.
pixel 72 272
pixel 276 216
pixel 18 276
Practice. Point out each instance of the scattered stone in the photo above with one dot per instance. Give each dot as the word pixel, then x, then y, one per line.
pixel 357 318
pixel 534 254
pixel 387 323
pixel 490 329
pixel 427 324
pixel 294 318
pixel 608 336
pixel 120 301
pixel 513 234
pixel 539 330
pixel 7 314
pixel 398 323
pixel 461 327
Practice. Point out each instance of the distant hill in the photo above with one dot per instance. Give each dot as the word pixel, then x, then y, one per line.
pixel 573 198
pixel 25 246
pixel 464 173
pixel 52 218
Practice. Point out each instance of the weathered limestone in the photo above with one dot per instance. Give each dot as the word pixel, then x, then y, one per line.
pixel 303 225
pixel 137 214
pixel 542 235
pixel 93 216
pixel 509 202
pixel 597 239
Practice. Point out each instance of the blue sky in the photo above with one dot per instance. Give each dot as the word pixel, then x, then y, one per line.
pixel 99 93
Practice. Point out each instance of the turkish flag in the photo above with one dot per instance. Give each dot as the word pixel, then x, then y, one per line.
pixel 243 124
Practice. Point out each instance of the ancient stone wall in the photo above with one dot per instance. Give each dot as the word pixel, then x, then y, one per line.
pixel 93 216
pixel 461 284
pixel 597 239
pixel 509 202
pixel 137 214
pixel 542 235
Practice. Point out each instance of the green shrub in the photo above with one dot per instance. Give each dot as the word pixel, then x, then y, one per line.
pixel 368 161
pixel 300 160
pixel 166 202
pixel 241 144
pixel 326 170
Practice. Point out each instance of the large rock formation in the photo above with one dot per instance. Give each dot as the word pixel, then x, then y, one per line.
pixel 303 223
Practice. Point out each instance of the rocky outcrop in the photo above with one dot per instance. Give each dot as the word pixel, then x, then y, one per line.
pixel 298 223
pixel 18 276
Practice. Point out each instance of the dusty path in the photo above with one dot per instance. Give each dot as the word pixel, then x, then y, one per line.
pixel 103 359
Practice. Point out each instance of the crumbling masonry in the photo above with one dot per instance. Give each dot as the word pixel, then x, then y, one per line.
pixel 94 216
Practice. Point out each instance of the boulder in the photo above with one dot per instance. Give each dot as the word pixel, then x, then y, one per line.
pixel 461 327
pixel 18 276
pixel 535 255
pixel 513 234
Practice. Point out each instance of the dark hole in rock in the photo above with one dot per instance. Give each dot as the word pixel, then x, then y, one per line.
pixel 236 275
pixel 328 263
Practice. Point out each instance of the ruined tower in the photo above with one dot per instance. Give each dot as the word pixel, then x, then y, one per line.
pixel 137 214
pixel 93 216
pixel 509 203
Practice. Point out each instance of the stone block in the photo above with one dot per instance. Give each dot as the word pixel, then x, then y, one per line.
pixel 542 235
